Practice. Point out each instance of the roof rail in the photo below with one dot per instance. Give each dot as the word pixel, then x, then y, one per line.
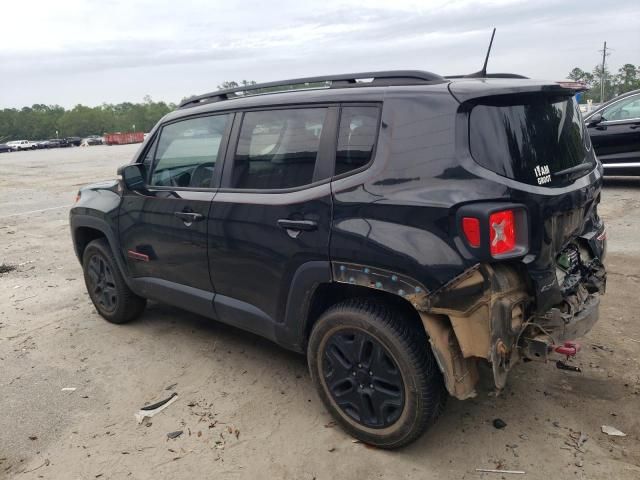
pixel 376 79
pixel 489 75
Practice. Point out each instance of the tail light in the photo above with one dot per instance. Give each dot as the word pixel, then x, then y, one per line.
pixel 502 232
pixel 471 229
pixel 495 230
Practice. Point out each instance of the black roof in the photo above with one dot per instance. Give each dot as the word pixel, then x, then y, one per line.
pixel 353 87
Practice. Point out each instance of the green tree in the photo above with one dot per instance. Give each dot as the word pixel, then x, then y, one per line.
pixel 627 79
pixel 40 121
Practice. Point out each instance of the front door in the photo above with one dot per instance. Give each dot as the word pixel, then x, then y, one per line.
pixel 163 228
pixel 272 213
pixel 616 139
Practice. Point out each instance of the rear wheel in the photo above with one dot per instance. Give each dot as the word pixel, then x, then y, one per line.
pixel 375 372
pixel 109 293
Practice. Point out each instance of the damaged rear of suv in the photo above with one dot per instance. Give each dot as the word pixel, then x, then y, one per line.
pixel 400 232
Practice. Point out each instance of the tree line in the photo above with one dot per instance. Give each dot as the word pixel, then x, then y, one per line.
pixel 626 79
pixel 41 122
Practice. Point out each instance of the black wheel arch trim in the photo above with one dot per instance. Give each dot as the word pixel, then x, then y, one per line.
pixel 292 332
pixel 77 221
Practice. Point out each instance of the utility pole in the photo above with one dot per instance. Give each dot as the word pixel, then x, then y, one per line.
pixel 604 56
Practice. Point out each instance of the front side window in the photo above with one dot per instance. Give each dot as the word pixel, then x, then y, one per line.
pixel 277 149
pixel 356 138
pixel 623 110
pixel 187 152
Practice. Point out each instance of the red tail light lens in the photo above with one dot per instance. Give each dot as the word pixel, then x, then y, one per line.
pixel 471 229
pixel 502 232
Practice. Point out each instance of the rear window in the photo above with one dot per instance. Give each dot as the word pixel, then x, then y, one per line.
pixel 530 138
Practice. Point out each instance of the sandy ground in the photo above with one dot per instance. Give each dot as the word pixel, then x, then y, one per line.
pixel 247 407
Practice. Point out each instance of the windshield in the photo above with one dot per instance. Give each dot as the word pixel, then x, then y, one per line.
pixel 530 138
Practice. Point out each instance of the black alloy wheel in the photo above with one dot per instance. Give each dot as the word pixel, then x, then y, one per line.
pixel 108 290
pixel 374 370
pixel 363 378
pixel 101 283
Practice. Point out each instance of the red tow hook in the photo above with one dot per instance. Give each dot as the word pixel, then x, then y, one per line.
pixel 569 349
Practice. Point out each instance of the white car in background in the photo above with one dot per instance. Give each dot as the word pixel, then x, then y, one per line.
pixel 22 145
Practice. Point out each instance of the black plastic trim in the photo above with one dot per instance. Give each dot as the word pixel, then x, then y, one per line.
pixel 379 78
pixel 187 298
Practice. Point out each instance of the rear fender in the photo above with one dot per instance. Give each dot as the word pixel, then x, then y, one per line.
pixel 478 315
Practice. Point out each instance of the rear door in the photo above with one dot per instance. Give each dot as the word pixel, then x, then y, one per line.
pixel 163 230
pixel 273 211
pixel 617 138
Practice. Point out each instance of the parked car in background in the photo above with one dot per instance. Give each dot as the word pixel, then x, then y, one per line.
pixel 41 143
pixel 614 128
pixel 5 148
pixel 22 145
pixel 74 141
pixel 57 142
pixel 92 140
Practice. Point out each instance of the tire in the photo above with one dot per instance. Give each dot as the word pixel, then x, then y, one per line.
pixel 386 413
pixel 108 291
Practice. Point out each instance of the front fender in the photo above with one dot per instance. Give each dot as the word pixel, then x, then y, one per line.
pixel 97 209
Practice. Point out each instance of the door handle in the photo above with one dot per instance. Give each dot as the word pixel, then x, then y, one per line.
pixel 306 225
pixel 189 217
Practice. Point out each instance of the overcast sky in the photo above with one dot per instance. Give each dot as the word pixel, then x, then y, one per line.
pixel 92 51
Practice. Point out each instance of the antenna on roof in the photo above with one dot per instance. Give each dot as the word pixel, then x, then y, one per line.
pixel 483 73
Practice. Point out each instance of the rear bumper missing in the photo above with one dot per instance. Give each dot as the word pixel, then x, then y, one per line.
pixel 555 328
pixel 489 314
pixel 569 327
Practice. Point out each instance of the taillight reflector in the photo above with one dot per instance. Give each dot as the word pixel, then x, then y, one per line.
pixel 471 229
pixel 502 232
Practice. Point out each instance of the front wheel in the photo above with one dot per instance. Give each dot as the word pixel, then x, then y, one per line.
pixel 109 293
pixel 375 372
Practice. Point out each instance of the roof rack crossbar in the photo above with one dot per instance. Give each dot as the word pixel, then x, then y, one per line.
pixel 383 78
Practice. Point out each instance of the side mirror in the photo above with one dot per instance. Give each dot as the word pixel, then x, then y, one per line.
pixel 133 176
pixel 594 120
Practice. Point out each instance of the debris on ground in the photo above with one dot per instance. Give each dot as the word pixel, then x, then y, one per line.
pixel 149 411
pixel 513 447
pixel 493 470
pixel 68 389
pixel 499 423
pixel 612 431
pixel 577 440
pixel 175 434
pixel 6 268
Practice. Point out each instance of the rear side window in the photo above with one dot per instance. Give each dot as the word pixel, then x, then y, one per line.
pixel 278 148
pixel 187 152
pixel 529 138
pixel 356 138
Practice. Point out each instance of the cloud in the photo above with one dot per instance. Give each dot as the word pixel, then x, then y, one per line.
pixel 92 51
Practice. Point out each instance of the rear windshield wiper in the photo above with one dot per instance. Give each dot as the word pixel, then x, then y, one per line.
pixel 575 169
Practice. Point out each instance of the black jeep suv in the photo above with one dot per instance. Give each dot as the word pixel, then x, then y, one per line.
pixel 401 231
